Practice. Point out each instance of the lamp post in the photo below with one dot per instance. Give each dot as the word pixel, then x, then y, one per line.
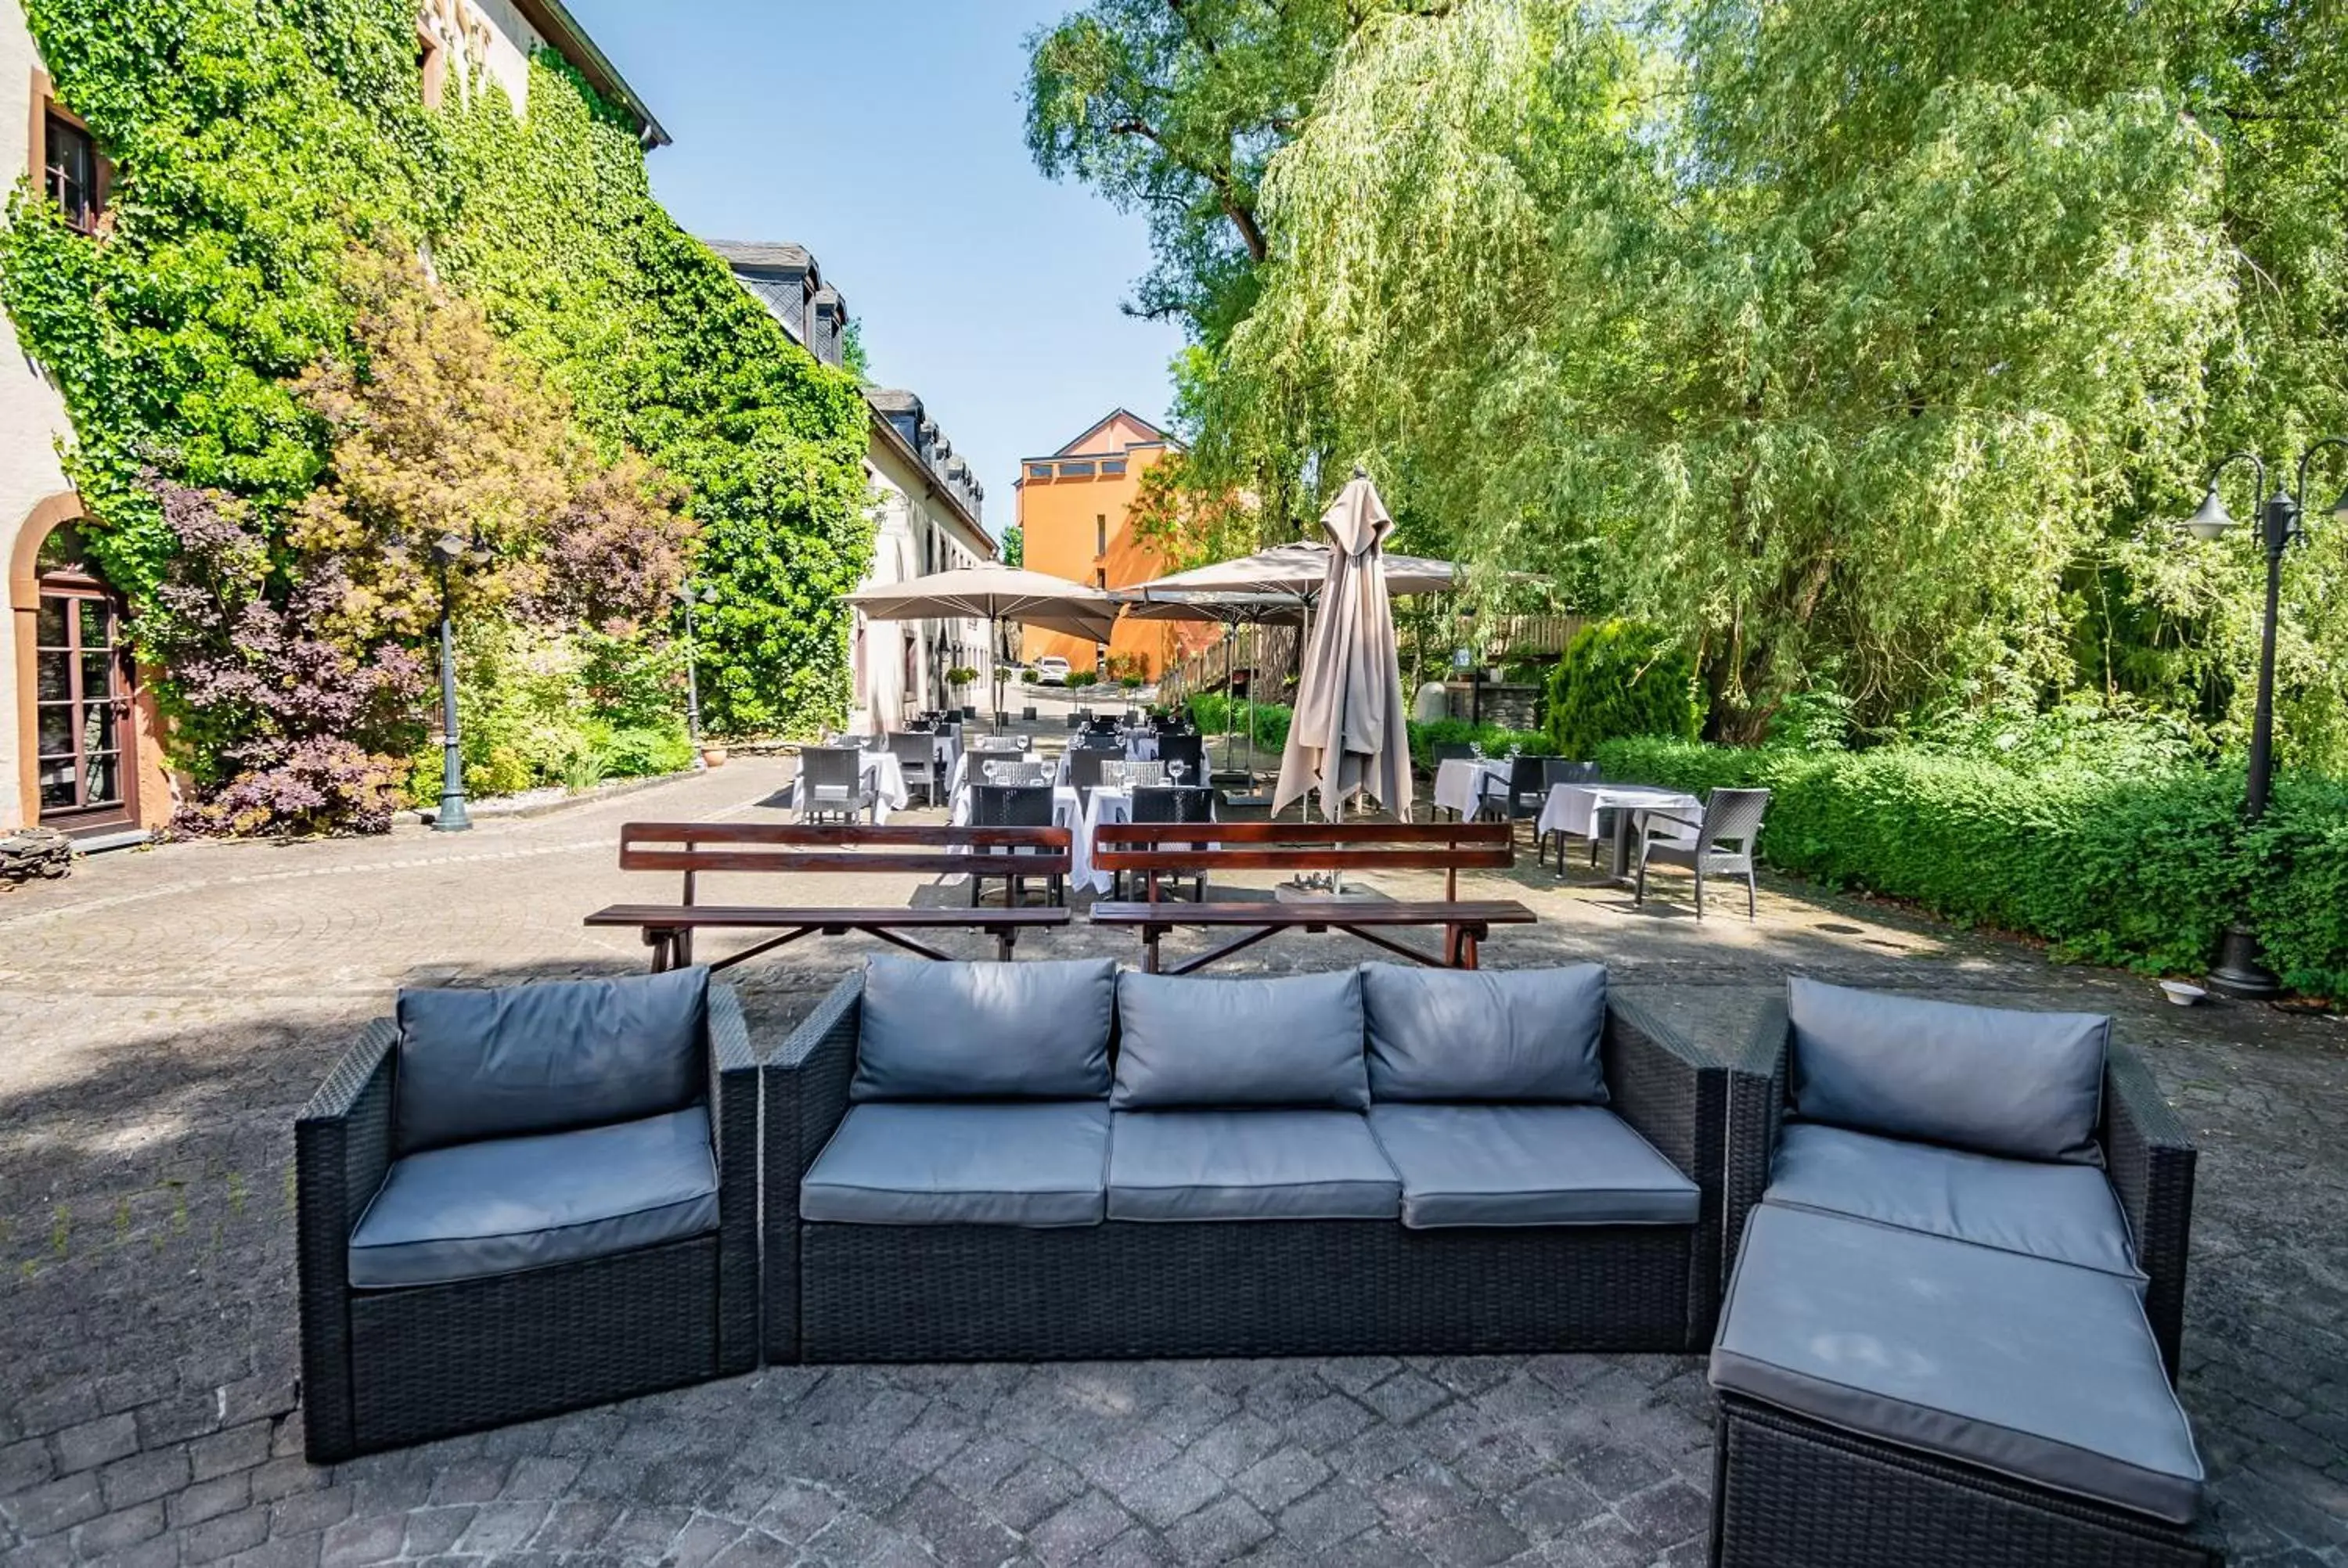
pixel 453 817
pixel 2242 968
pixel 685 596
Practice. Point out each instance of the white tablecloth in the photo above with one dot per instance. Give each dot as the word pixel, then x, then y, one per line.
pixel 1457 780
pixel 882 772
pixel 1574 808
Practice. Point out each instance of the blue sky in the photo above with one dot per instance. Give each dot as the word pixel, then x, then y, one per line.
pixel 886 138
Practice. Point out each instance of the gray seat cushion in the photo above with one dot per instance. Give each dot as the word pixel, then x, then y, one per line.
pixel 1005 1163
pixel 1994 1080
pixel 985 1031
pixel 1487 1035
pixel 539 1058
pixel 1194 1043
pixel 1528 1165
pixel 2067 1213
pixel 1248 1165
pixel 2040 1371
pixel 499 1206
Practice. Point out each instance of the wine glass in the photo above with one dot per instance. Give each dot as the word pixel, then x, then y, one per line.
pixel 994 771
pixel 1177 769
pixel 1476 750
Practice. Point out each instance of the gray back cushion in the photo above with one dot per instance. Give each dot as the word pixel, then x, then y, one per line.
pixel 1189 1042
pixel 985 1031
pixel 1491 1035
pixel 2026 1085
pixel 538 1058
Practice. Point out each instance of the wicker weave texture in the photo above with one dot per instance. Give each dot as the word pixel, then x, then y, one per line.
pixel 806 1094
pixel 1790 1493
pixel 2150 1159
pixel 449 1358
pixel 385 1367
pixel 1273 1288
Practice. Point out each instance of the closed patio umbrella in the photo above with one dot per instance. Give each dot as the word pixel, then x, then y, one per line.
pixel 1348 731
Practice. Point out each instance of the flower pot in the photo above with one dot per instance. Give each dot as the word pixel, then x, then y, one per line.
pixel 713 757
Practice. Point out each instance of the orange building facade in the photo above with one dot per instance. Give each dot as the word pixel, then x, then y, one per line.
pixel 1073 508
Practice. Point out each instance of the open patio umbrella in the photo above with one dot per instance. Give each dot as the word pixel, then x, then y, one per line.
pixel 1231 612
pixel 1348 731
pixel 1281 585
pixel 995 594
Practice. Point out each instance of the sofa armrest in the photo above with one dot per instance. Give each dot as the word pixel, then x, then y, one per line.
pixel 734 1127
pixel 1676 1094
pixel 806 1095
pixel 2150 1157
pixel 1757 1111
pixel 342 1150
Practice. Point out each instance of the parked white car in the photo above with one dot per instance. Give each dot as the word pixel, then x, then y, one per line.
pixel 1051 670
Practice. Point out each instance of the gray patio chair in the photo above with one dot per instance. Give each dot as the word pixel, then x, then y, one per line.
pixel 832 784
pixel 1519 796
pixel 917 757
pixel 1011 806
pixel 1188 750
pixel 1085 767
pixel 1721 843
pixel 1174 803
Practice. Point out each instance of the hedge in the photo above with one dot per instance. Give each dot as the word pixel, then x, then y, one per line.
pixel 1207 711
pixel 2142 871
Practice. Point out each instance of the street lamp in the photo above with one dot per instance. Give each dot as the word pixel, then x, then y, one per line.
pixel 685 594
pixel 452 816
pixel 2242 968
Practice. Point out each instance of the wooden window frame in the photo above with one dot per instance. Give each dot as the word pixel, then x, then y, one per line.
pixel 432 66
pixel 36 160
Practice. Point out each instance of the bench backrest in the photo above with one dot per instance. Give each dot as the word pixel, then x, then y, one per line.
pixel 1450 848
pixel 693 847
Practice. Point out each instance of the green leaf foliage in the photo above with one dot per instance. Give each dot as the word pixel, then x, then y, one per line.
pixel 1621 678
pixel 255 142
pixel 1851 343
pixel 2144 869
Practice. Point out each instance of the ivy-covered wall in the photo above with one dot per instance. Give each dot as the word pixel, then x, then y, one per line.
pixel 259 145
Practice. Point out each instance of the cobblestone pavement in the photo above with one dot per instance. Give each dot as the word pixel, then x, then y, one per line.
pixel 163 1013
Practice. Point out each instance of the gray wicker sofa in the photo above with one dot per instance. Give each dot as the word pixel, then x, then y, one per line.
pixel 1953 1322
pixel 1056 1160
pixel 516 1201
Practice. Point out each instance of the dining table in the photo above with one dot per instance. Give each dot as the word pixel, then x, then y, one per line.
pixel 1459 782
pixel 1576 808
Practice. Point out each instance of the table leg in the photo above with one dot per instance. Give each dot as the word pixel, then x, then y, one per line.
pixel 1622 868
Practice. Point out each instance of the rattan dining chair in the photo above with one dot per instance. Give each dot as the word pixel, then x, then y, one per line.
pixel 917 757
pixel 1721 843
pixel 832 785
pixel 1174 803
pixel 1011 806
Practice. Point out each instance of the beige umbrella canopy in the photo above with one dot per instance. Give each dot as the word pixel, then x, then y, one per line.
pixel 1348 731
pixel 994 593
pixel 1295 573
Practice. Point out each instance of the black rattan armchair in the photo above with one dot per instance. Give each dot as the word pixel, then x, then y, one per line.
pixel 406 1335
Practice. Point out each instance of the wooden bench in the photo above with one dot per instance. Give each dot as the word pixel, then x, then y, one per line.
pixel 1156 849
pixel 692 848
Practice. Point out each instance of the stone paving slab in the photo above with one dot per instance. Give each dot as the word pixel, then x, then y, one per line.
pixel 163 1013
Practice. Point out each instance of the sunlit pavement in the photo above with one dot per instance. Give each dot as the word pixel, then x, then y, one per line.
pixel 163 1013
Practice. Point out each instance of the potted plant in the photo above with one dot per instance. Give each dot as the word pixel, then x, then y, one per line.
pixel 959 677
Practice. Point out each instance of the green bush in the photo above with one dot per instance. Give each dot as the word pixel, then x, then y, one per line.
pixel 1621 678
pixel 1495 739
pixel 645 752
pixel 2141 869
pixel 1213 714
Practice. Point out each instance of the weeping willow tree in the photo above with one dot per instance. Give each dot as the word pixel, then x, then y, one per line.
pixel 1866 346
